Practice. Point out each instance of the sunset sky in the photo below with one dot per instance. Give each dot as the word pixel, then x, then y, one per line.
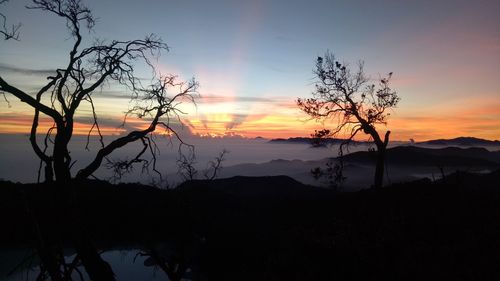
pixel 253 59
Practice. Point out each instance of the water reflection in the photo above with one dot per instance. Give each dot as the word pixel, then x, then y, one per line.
pixel 127 264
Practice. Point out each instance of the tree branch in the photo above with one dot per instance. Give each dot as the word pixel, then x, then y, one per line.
pixel 13 31
pixel 22 96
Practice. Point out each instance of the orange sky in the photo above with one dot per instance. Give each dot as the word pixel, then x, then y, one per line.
pixel 282 119
pixel 253 59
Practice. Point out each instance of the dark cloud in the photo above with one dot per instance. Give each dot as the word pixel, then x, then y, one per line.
pixel 103 121
pixel 188 123
pixel 236 120
pixel 26 71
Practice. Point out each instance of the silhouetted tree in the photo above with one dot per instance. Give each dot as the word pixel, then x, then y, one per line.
pixel 348 99
pixel 11 32
pixel 87 70
pixel 186 166
pixel 319 138
pixel 214 167
pixel 188 171
pixel 333 173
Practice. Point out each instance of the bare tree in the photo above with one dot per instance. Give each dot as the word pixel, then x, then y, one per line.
pixel 186 166
pixel 348 99
pixel 188 171
pixel 320 138
pixel 11 32
pixel 214 167
pixel 88 69
pixel 333 174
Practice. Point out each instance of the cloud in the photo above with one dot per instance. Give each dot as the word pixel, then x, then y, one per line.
pixel 18 123
pixel 188 123
pixel 236 120
pixel 113 94
pixel 104 121
pixel 211 99
pixel 26 71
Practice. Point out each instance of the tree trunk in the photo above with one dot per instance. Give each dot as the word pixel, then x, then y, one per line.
pixel 49 172
pixel 379 168
pixel 61 165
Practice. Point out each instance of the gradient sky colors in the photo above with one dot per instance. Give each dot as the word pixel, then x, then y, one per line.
pixel 254 58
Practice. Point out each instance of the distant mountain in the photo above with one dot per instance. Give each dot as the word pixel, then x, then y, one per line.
pixel 304 140
pixel 403 162
pixel 461 141
pixel 419 156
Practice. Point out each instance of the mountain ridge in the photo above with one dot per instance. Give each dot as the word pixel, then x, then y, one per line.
pixel 459 141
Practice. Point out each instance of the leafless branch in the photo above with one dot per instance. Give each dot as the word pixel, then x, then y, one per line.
pixel 155 103
pixel 5 99
pixel 95 125
pixel 215 166
pixel 186 168
pixel 11 32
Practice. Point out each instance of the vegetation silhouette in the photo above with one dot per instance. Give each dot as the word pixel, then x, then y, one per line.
pixel 9 33
pixel 320 138
pixel 275 228
pixel 88 69
pixel 346 97
pixel 187 170
pixel 245 228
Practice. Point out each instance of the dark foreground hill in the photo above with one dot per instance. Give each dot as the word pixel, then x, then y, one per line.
pixel 274 228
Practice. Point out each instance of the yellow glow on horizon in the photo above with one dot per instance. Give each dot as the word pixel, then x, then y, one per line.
pixel 21 124
pixel 216 117
pixel 21 127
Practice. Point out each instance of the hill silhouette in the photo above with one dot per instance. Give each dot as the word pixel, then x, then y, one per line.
pixel 404 163
pixel 461 141
pixel 240 186
pixel 458 141
pixel 419 156
pixel 308 140
pixel 275 228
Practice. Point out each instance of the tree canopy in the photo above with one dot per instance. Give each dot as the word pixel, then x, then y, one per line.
pixel 346 97
pixel 88 69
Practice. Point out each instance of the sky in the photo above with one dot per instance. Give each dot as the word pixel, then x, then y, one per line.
pixel 253 59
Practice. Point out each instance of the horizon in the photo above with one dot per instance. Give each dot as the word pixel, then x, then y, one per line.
pixel 198 136
pixel 241 151
pixel 262 139
pixel 257 59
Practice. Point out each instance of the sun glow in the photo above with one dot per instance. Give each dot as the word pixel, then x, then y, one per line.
pixel 20 126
